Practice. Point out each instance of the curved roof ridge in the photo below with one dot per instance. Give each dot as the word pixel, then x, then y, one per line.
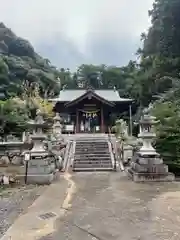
pixel 111 95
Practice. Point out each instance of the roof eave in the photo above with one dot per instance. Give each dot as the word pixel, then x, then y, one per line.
pixel 124 100
pixel 68 104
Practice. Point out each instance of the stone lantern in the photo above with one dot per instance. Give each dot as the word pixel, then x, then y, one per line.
pixel 147 165
pixel 147 134
pixel 42 162
pixel 57 127
pixel 58 143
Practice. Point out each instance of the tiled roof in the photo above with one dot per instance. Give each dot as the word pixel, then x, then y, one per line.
pixel 70 95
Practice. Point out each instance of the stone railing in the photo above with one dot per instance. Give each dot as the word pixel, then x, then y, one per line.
pixel 12 161
pixel 12 152
pixel 123 146
pixel 68 155
pixel 112 154
pixel 116 151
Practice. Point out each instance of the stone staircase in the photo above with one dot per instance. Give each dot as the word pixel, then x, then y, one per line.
pixel 93 154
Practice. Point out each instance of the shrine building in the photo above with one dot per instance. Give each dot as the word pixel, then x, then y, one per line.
pixel 89 110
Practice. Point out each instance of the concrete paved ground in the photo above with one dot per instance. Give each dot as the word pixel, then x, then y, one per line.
pixel 103 206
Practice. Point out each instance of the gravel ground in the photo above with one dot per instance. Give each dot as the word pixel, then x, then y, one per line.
pixel 15 201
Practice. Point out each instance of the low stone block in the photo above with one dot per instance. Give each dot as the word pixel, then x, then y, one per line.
pixel 147 177
pixel 41 178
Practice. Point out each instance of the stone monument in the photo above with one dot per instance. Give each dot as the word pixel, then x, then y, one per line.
pixel 42 167
pixel 147 165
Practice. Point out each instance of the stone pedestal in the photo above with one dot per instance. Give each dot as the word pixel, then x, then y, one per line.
pixel 147 165
pixel 41 168
pixel 149 168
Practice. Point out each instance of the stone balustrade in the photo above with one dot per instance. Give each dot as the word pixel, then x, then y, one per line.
pixel 12 152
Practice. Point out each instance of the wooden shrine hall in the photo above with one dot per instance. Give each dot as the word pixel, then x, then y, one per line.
pixel 89 110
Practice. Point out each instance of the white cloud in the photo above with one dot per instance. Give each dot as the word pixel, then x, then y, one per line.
pixel 79 23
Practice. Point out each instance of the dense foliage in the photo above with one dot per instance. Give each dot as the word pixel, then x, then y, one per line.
pixel 26 80
pixel 160 57
pixel 19 62
pixel 153 79
pixel 13 117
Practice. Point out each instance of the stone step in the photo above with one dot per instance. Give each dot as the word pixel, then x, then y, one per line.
pixel 92 158
pixel 90 155
pixel 91 147
pixel 92 144
pixel 93 168
pixel 85 148
pixel 108 165
pixel 86 165
pixel 92 140
pixel 92 161
pixel 96 169
pixel 92 151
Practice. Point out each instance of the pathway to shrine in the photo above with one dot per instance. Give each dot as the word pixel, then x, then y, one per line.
pixel 101 206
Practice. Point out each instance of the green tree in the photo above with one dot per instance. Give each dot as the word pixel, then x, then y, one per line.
pixel 14 116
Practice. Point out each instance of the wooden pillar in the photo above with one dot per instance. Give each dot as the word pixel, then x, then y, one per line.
pixel 102 120
pixel 77 121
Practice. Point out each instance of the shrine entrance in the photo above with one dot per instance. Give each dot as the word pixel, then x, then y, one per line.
pixel 89 120
pixel 90 113
pixel 90 110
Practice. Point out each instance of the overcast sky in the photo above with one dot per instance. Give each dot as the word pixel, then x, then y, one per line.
pixel 72 32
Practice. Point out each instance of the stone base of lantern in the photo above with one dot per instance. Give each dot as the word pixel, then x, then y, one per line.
pixel 41 179
pixel 150 177
pixel 149 168
pixel 41 169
